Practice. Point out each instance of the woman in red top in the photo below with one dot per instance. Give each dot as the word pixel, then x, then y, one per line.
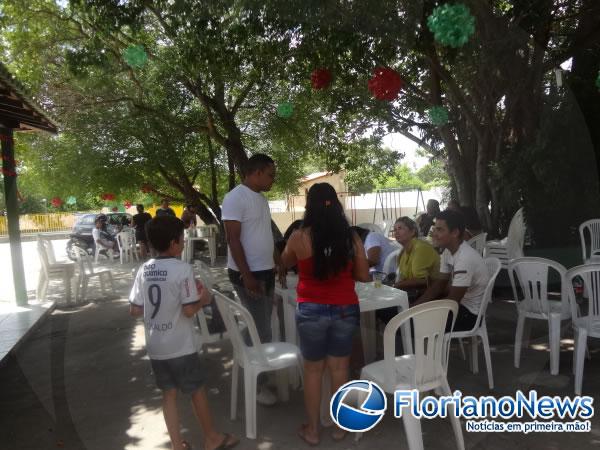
pixel 330 257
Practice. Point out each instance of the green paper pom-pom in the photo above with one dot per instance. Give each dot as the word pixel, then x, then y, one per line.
pixel 135 56
pixel 71 200
pixel 285 110
pixel 452 25
pixel 438 115
pixel 598 81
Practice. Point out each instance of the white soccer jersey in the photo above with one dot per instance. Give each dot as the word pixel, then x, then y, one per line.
pixel 163 286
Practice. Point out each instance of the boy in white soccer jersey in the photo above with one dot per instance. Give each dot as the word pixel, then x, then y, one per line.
pixel 166 294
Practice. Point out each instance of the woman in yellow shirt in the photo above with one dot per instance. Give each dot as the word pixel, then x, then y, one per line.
pixel 418 262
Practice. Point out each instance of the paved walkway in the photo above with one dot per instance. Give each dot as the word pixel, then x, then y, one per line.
pixel 82 381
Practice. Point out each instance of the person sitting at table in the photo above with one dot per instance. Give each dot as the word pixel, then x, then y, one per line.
pixel 418 262
pixel 377 247
pixel 463 273
pixel 425 220
pixel 330 257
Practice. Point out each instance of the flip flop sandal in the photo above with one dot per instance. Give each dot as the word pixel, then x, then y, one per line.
pixel 302 435
pixel 227 445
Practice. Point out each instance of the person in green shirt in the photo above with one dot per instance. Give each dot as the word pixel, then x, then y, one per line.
pixel 418 263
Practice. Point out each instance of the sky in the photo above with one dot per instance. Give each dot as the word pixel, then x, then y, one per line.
pixel 398 142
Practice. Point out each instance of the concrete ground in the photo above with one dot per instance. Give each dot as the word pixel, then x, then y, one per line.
pixel 82 381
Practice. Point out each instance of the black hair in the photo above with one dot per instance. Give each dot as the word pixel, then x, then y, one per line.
pixel 454 220
pixel 472 221
pixel 190 206
pixel 140 207
pixel 258 161
pixel 330 232
pixel 362 232
pixel 296 225
pixel 162 230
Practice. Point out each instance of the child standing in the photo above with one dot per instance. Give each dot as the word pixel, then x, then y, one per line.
pixel 166 294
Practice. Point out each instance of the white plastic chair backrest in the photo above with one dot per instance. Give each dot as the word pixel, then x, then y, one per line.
pixel 391 262
pixel 493 266
pixel 230 311
pixel 49 249
pixel 124 240
pixel 430 349
pixel 43 254
pixel 532 275
pixel 592 228
pixel 205 275
pixel 478 242
pixel 590 274
pixel 83 260
pixel 371 227
pixel 516 236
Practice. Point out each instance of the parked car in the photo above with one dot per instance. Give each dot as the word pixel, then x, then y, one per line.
pixel 81 235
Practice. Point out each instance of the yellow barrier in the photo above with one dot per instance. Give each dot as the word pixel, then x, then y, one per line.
pixel 47 223
pixel 41 223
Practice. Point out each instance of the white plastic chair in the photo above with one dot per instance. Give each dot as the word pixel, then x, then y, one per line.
pixel 253 359
pixel 425 369
pixel 391 262
pixel 512 245
pixel 588 324
pixel 371 227
pixel 126 246
pixel 206 337
pixel 478 242
pixel 532 275
pixel 51 269
pixel 592 229
pixel 86 272
pixel 99 247
pixel 480 329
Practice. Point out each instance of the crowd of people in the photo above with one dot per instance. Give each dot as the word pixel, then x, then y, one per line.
pixel 328 255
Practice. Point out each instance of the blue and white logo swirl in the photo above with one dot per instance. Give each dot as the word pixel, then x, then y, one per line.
pixel 370 406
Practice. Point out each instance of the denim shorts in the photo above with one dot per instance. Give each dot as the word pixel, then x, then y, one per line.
pixel 326 330
pixel 184 373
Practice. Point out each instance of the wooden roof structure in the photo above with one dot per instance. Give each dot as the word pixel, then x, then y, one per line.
pixel 18 109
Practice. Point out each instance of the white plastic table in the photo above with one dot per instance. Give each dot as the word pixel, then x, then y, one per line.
pixel 370 299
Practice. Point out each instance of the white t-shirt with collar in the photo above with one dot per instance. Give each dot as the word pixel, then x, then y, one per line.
pixel 466 269
pixel 251 209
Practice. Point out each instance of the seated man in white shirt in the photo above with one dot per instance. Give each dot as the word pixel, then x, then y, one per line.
pixel 377 247
pixel 463 273
pixel 100 235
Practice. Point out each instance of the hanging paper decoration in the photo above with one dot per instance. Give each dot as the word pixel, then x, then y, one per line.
pixel 320 78
pixel 135 56
pixel 71 200
pixel 56 202
pixel 285 110
pixel 108 197
pixel 147 188
pixel 127 204
pixel 385 84
pixel 438 115
pixel 451 25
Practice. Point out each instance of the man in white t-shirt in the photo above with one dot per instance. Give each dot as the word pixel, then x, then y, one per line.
pixel 100 235
pixel 463 273
pixel 377 247
pixel 250 247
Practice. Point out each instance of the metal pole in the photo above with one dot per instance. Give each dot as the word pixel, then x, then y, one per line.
pixel 12 213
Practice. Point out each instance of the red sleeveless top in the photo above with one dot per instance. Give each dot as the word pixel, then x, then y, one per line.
pixel 337 290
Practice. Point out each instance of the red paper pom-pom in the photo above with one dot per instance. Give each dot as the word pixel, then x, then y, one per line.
pixel 385 84
pixel 56 202
pixel 127 204
pixel 107 196
pixel 115 209
pixel 320 78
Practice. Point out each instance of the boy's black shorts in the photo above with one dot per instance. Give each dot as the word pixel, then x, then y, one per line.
pixel 184 373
